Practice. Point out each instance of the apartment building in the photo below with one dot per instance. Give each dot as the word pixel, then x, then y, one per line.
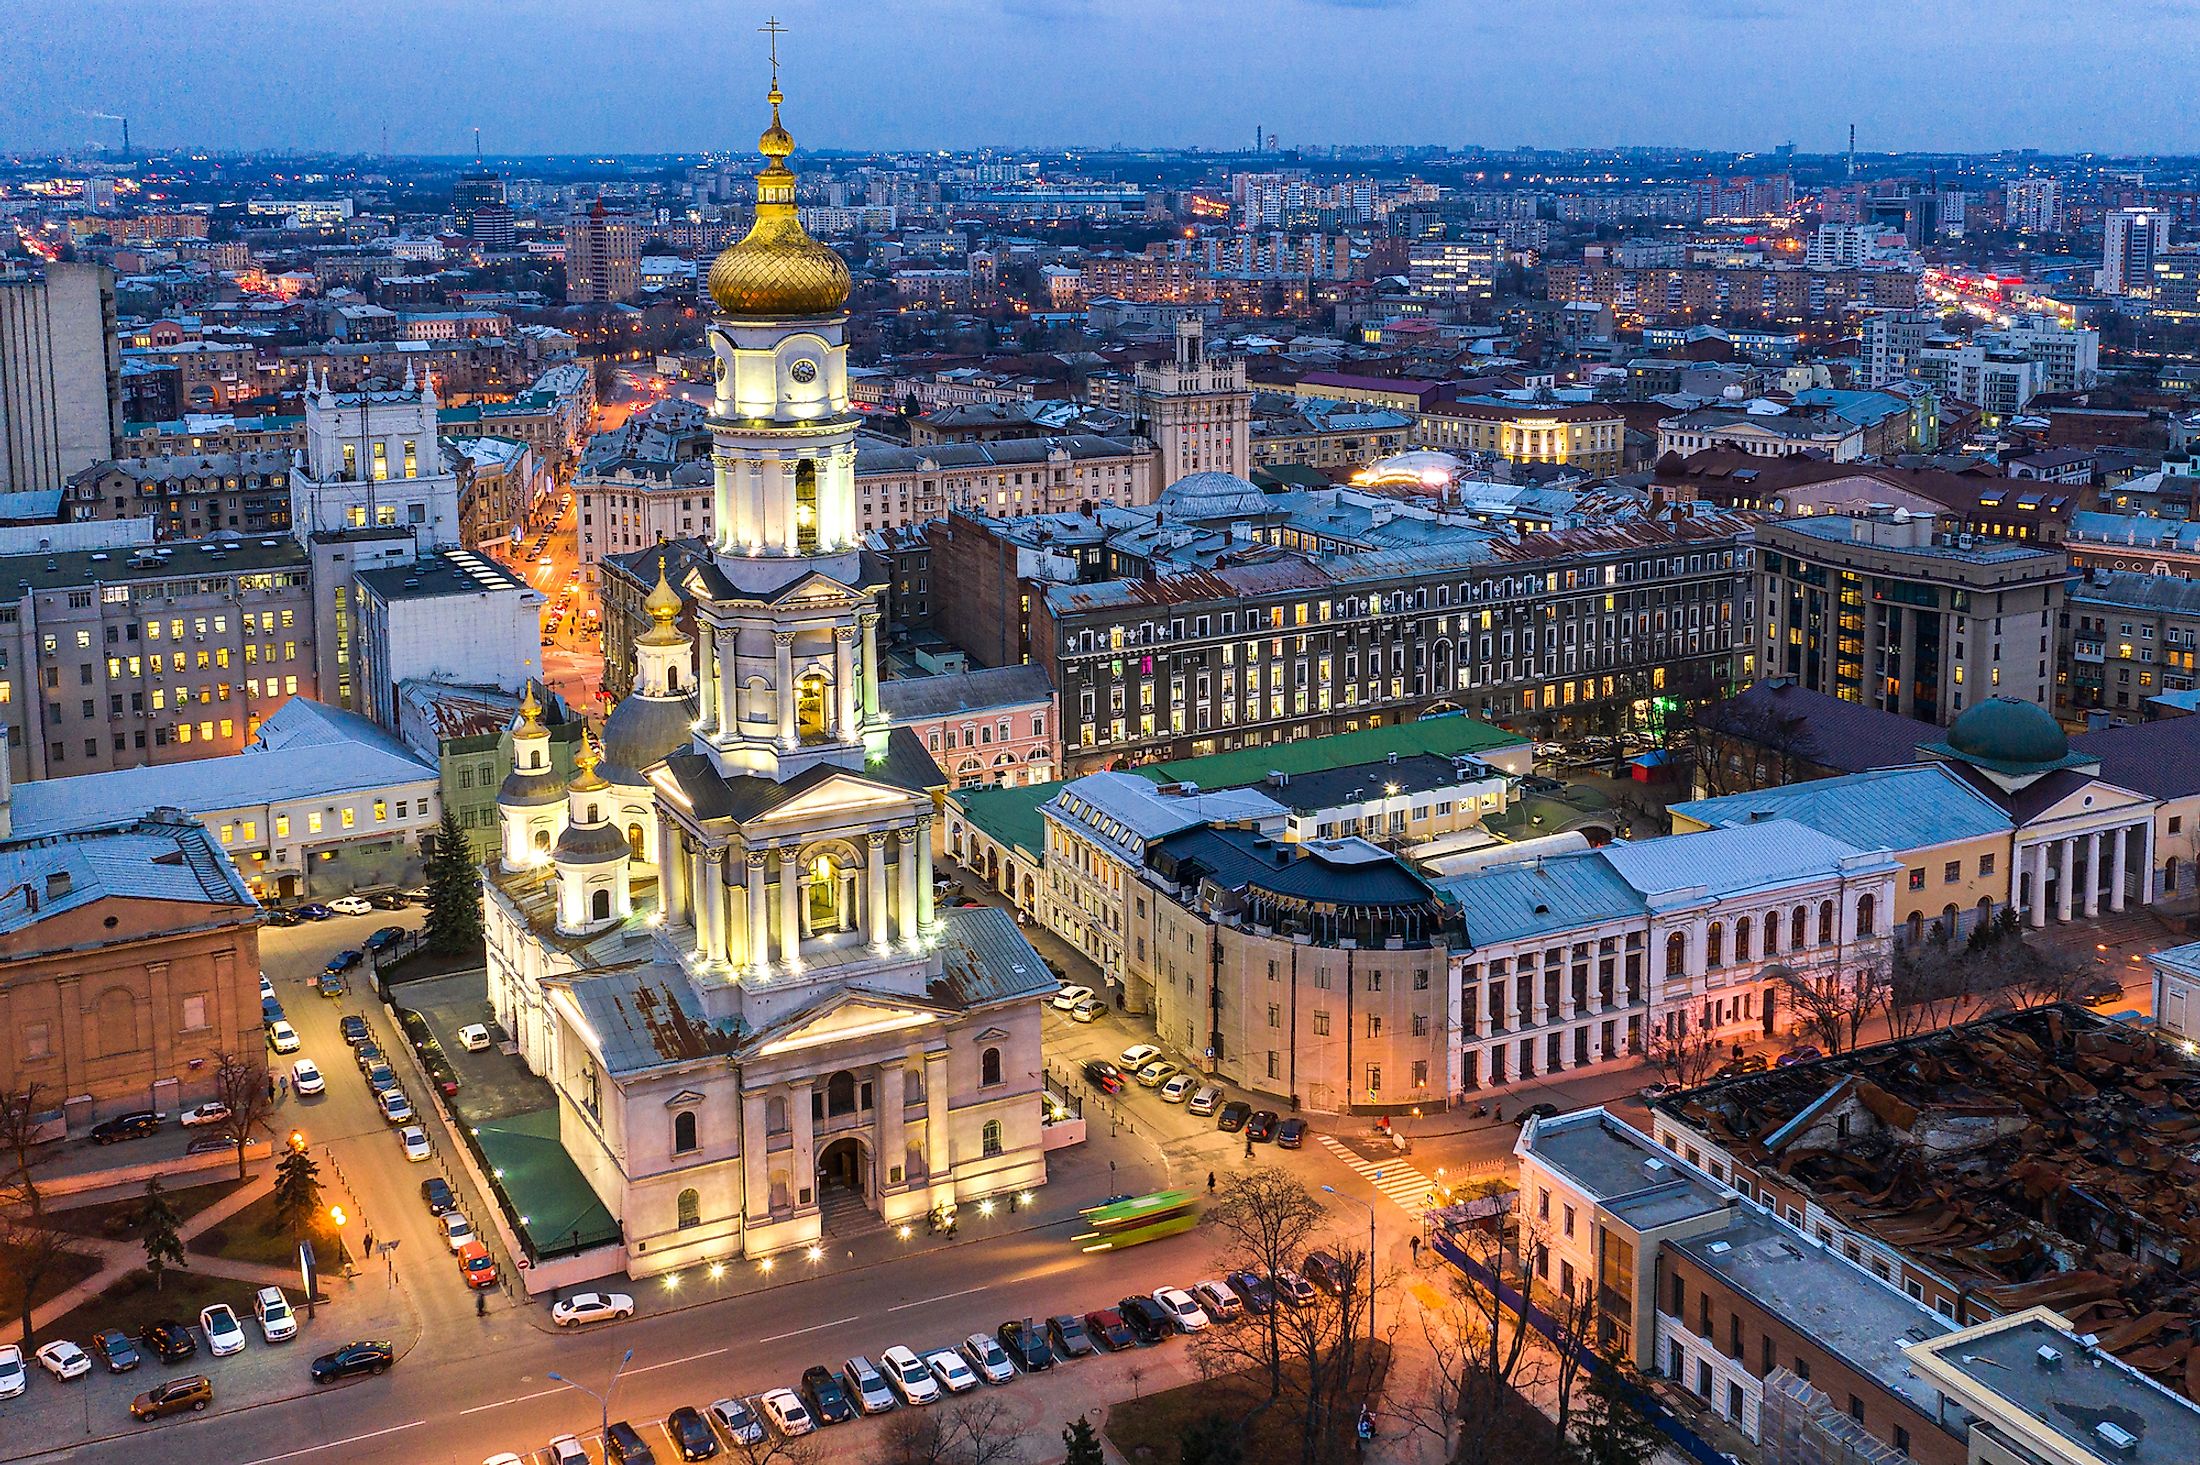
pixel 2126 637
pixel 1576 435
pixel 189 496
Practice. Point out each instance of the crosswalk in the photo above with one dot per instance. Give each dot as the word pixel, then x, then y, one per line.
pixel 1399 1182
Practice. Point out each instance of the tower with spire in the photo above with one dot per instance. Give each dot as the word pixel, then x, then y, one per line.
pixel 371 460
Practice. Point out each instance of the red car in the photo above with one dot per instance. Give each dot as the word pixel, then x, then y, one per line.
pixel 1104 1076
pixel 477 1266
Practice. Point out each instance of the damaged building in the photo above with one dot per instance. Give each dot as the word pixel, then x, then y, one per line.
pixel 2038 1158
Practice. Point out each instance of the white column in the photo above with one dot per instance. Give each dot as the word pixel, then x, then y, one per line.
pixel 2093 874
pixel 672 872
pixel 2119 852
pixel 783 643
pixel 870 669
pixel 759 952
pixel 844 684
pixel 1485 1021
pixel 755 1177
pixel 804 1159
pixel 790 908
pixel 2033 858
pixel 876 925
pixel 713 934
pixel 893 1144
pixel 905 855
pixel 706 675
pixel 2066 875
pixel 2146 863
pixel 924 870
pixel 939 1154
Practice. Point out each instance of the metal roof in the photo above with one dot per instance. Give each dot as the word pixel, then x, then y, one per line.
pixel 1504 903
pixel 1910 807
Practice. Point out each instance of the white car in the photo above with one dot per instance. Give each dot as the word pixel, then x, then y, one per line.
pixel 457 1231
pixel 910 1378
pixel 211 1112
pixel 224 1334
pixel 1184 1314
pixel 591 1307
pixel 564 1449
pixel 473 1037
pixel 11 1371
pixel 784 1408
pixel 267 988
pixel 277 1321
pixel 305 1077
pixel 282 1037
pixel 507 1458
pixel 1137 1056
pixel 64 1360
pixel 1069 997
pixel 351 905
pixel 989 1358
pixel 1218 1301
pixel 1178 1088
pixel 415 1141
pixel 396 1108
pixel 948 1367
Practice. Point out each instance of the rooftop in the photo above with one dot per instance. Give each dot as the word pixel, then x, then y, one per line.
pixel 1623 1169
pixel 980 689
pixel 1910 807
pixel 155 857
pixel 22 574
pixel 450 572
pixel 1444 737
pixel 1819 729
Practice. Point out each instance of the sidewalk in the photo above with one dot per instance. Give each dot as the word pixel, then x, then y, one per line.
pixel 120 1258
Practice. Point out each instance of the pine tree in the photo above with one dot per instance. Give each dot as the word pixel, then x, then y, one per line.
pixel 1607 1427
pixel 157 1223
pixel 1212 1439
pixel 454 892
pixel 1081 1445
pixel 297 1192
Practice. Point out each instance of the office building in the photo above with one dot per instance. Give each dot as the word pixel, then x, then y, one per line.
pixel 1892 341
pixel 189 495
pixel 602 258
pixel 2033 206
pixel 60 375
pixel 1461 273
pixel 2130 238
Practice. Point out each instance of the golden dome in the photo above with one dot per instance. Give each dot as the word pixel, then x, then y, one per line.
pixel 585 777
pixel 777 270
pixel 663 607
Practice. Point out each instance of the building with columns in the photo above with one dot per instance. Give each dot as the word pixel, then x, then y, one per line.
pixel 1198 411
pixel 751 1014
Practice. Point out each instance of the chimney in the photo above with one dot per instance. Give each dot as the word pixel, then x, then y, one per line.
pixel 58 884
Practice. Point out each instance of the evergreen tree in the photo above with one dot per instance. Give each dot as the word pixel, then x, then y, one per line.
pixel 157 1230
pixel 1607 1427
pixel 454 892
pixel 1081 1445
pixel 297 1192
pixel 1213 1439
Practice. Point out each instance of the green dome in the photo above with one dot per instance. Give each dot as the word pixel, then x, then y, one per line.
pixel 2003 730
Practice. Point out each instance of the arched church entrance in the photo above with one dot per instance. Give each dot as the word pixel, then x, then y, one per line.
pixel 844 1166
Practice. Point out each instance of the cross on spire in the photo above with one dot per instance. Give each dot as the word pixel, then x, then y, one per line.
pixel 775 30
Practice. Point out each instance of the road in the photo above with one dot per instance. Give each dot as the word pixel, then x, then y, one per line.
pixel 572 645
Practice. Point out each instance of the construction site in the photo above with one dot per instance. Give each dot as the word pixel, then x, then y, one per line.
pixel 2048 1157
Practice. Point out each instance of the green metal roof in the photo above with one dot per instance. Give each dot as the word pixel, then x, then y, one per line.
pixel 1009 815
pixel 1446 737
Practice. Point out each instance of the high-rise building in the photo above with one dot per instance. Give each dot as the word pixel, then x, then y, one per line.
pixel 2033 206
pixel 2130 238
pixel 603 262
pixel 1462 272
pixel 475 190
pixel 60 375
pixel 1892 340
pixel 1198 410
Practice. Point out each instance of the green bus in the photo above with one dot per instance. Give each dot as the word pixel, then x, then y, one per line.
pixel 1142 1218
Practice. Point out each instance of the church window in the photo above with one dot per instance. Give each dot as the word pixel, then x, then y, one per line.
pixel 412 459
pixel 600 905
pixel 805 507
pixel 840 1093
pixel 634 840
pixel 775 1115
pixel 832 896
pixel 989 1139
pixel 683 1132
pixel 809 708
pixel 691 1206
pixel 989 1066
pixel 542 839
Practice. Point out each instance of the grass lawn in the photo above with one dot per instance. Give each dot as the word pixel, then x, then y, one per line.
pixel 254 1235
pixel 1150 1430
pixel 429 963
pixel 132 1303
pixel 65 1270
pixel 113 1219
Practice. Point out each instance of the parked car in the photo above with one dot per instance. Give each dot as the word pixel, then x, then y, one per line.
pixel 736 1421
pixel 949 1368
pixel 381 1078
pixel 477 1266
pixel 396 1108
pixel 1026 1344
pixel 1292 1288
pixel 1535 1111
pixel 910 1378
pixel 623 1445
pixel 224 1334
pixel 565 1449
pixel 277 1322
pixel 63 1359
pixel 213 1111
pixel 13 1380
pixel 126 1126
pixel 312 910
pixel 369 1056
pixel 354 1029
pixel 457 1231
pixel 178 1396
pixel 113 1347
pixel 351 905
pixel 277 916
pixel 1205 1100
pixel 1068 997
pixel 1185 1315
pixel 1103 1076
pixel 282 1037
pixel 1253 1290
pixel 1262 1126
pixel 474 1037
pixel 786 1413
pixel 1291 1134
pixel 168 1341
pixel 388 900
pixel 305 1077
pixel 690 1433
pixel 988 1358
pixel 1105 1326
pixel 867 1386
pixel 343 961
pixel 414 1141
pixel 1089 1010
pixel 592 1307
pixel 385 937
pixel 1178 1088
pixel 1327 1272
pixel 353 1359
pixel 1137 1056
pixel 828 1401
pixel 1144 1317
pixel 1157 1073
pixel 1742 1066
pixel 1217 1300
pixel 1231 1117
pixel 436 1191
pixel 1067 1334
pixel 1810 1053
pixel 271 1011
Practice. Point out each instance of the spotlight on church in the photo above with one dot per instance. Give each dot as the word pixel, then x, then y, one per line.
pixel 903 1231
pixel 672 1281
pixel 985 1207
pixel 817 1253
pixel 717 1270
pixel 765 1265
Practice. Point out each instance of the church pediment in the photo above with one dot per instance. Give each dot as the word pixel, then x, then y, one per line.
pixel 816 590
pixel 835 798
pixel 843 1018
pixel 685 1099
pixel 2089 800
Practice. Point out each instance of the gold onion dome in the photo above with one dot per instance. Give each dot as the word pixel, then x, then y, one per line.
pixel 585 777
pixel 663 607
pixel 777 270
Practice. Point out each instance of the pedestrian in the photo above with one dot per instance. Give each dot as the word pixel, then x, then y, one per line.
pixel 481 1305
pixel 1415 1243
pixel 369 1243
pixel 1248 1147
pixel 1210 1182
pixel 271 1089
pixel 1497 1112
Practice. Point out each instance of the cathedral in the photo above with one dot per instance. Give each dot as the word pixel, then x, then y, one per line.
pixel 717 940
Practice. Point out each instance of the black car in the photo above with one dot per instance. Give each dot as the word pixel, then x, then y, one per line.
pixel 1069 1337
pixel 354 1029
pixel 436 1191
pixel 1290 1134
pixel 821 1390
pixel 690 1433
pixel 381 1078
pixel 271 1011
pixel 385 937
pixel 1535 1111
pixel 312 910
pixel 344 961
pixel 1103 1076
pixel 278 917
pixel 352 1360
pixel 1232 1116
pixel 126 1126
pixel 368 1054
pixel 1026 1344
pixel 114 1348
pixel 1144 1317
pixel 1262 1126
pixel 168 1340
pixel 388 900
pixel 1327 1273
pixel 1107 1328
pixel 1253 1290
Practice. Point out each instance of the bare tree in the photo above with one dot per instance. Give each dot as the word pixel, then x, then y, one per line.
pixel 240 1085
pixel 1265 1220
pixel 978 1431
pixel 29 1246
pixel 1481 1361
pixel 1573 1316
pixel 1830 1010
pixel 1683 1055
pixel 771 1449
pixel 1744 744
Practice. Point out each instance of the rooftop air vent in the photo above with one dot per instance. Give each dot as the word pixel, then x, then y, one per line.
pixel 2048 1357
pixel 1718 1248
pixel 2118 1439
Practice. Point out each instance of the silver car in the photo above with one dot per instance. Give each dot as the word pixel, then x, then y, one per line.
pixel 1206 1100
pixel 867 1386
pixel 989 1358
pixel 737 1422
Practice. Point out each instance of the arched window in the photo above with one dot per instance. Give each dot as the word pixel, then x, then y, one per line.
pixel 1714 945
pixel 593 814
pixel 599 905
pixel 1772 932
pixel 1741 939
pixel 775 1115
pixel 1798 929
pixel 831 907
pixel 1825 922
pixel 1676 954
pixel 634 839
pixel 672 676
pixel 805 507
pixel 683 1132
pixel 989 1139
pixel 542 839
pixel 691 1209
pixel 1864 907
pixel 840 1093
pixel 989 1066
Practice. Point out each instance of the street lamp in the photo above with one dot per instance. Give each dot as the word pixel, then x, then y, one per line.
pixel 1332 1190
pixel 603 1400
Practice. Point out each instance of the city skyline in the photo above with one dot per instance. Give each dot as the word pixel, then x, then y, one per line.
pixel 660 77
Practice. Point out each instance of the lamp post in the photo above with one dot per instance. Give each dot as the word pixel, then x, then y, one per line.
pixel 603 1400
pixel 1332 1190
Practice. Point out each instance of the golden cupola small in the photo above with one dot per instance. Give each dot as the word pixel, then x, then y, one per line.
pixel 777 271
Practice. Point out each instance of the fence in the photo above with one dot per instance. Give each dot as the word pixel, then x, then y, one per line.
pixel 1523 1307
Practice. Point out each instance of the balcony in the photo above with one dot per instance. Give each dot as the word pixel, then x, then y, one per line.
pixel 2093 651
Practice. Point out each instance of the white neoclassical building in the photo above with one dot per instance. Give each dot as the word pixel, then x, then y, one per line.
pixel 752 1016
